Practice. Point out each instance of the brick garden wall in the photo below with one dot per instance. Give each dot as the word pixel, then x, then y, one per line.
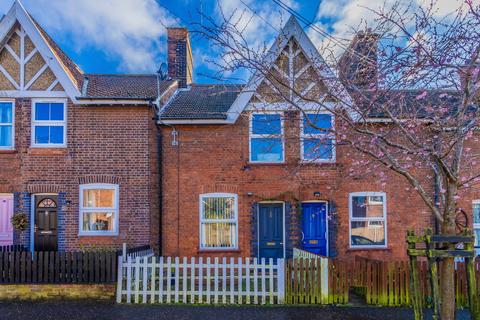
pixel 213 158
pixel 57 291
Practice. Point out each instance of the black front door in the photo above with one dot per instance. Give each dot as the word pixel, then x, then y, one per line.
pixel 45 238
pixel 270 230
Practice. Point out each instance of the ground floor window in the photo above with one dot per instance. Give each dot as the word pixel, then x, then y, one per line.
pixel 98 209
pixel 476 224
pixel 218 221
pixel 368 220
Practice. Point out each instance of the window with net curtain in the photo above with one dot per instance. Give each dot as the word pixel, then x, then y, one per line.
pixel 218 221
pixel 476 224
pixel 99 209
pixel 6 125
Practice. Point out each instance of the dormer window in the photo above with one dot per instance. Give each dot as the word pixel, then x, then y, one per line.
pixel 317 142
pixel 266 138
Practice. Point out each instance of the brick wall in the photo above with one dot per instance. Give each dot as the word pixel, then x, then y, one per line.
pixel 57 291
pixel 213 158
pixel 105 143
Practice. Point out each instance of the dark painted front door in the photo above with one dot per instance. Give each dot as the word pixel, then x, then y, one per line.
pixel 314 227
pixel 270 230
pixel 46 223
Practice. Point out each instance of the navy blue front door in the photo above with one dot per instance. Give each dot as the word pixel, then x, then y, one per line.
pixel 270 230
pixel 314 227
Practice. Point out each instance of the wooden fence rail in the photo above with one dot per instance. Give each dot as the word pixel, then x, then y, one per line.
pixel 58 267
pixel 387 283
pixel 209 281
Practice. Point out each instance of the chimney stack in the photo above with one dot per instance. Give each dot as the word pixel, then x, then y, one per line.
pixel 180 61
pixel 358 66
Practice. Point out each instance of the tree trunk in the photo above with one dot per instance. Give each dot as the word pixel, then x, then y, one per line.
pixel 447 276
pixel 447 289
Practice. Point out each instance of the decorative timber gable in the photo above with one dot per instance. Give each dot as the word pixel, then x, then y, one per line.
pixel 23 68
pixel 30 64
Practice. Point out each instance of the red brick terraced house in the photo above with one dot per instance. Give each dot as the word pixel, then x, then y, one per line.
pixel 240 177
pixel 78 152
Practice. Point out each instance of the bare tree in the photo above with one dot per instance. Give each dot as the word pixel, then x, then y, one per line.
pixel 412 81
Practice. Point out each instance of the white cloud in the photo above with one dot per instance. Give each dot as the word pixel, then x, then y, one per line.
pixel 348 15
pixel 130 31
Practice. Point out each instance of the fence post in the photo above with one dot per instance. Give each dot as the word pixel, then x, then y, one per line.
pixel 324 280
pixel 281 280
pixel 120 279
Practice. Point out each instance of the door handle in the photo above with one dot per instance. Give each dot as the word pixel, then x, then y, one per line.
pixel 303 236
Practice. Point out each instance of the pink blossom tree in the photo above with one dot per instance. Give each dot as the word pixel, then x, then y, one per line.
pixel 412 81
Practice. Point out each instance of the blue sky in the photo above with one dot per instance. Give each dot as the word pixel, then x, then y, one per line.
pixel 129 36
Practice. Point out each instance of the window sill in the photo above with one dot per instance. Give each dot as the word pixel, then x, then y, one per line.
pixel 263 164
pixel 332 163
pixel 209 251
pixel 83 235
pixel 369 249
pixel 48 151
pixel 8 151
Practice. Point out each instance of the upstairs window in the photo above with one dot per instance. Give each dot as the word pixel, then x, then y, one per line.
pixel 49 126
pixel 476 224
pixel 218 221
pixel 266 138
pixel 98 209
pixel 368 220
pixel 6 125
pixel 317 139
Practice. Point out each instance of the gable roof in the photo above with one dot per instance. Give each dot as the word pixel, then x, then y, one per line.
pixel 201 102
pixel 291 30
pixel 54 58
pixel 81 88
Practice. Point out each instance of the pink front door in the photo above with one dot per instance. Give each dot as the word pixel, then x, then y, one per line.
pixel 6 213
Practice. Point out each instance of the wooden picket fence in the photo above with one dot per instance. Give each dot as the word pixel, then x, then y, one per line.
pixel 307 280
pixel 387 283
pixel 208 281
pixel 58 267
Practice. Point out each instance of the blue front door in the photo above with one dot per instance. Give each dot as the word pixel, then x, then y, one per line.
pixel 270 230
pixel 314 227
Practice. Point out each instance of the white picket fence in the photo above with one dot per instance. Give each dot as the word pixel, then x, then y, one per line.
pixel 201 280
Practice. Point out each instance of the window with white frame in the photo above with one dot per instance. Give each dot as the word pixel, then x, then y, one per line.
pixel 266 137
pixel 98 209
pixel 6 125
pixel 476 224
pixel 218 221
pixel 368 220
pixel 317 139
pixel 49 125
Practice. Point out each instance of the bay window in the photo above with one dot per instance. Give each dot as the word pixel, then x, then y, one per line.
pixel 218 221
pixel 98 209
pixel 317 140
pixel 266 138
pixel 6 125
pixel 368 220
pixel 49 125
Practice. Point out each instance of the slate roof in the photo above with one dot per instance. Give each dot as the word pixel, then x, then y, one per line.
pixel 71 67
pixel 206 101
pixel 123 86
pixel 106 86
pixel 420 104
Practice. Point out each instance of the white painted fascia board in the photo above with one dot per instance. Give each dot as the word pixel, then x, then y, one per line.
pixel 41 44
pixel 7 22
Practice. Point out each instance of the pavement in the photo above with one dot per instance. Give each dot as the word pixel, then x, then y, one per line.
pixel 83 310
